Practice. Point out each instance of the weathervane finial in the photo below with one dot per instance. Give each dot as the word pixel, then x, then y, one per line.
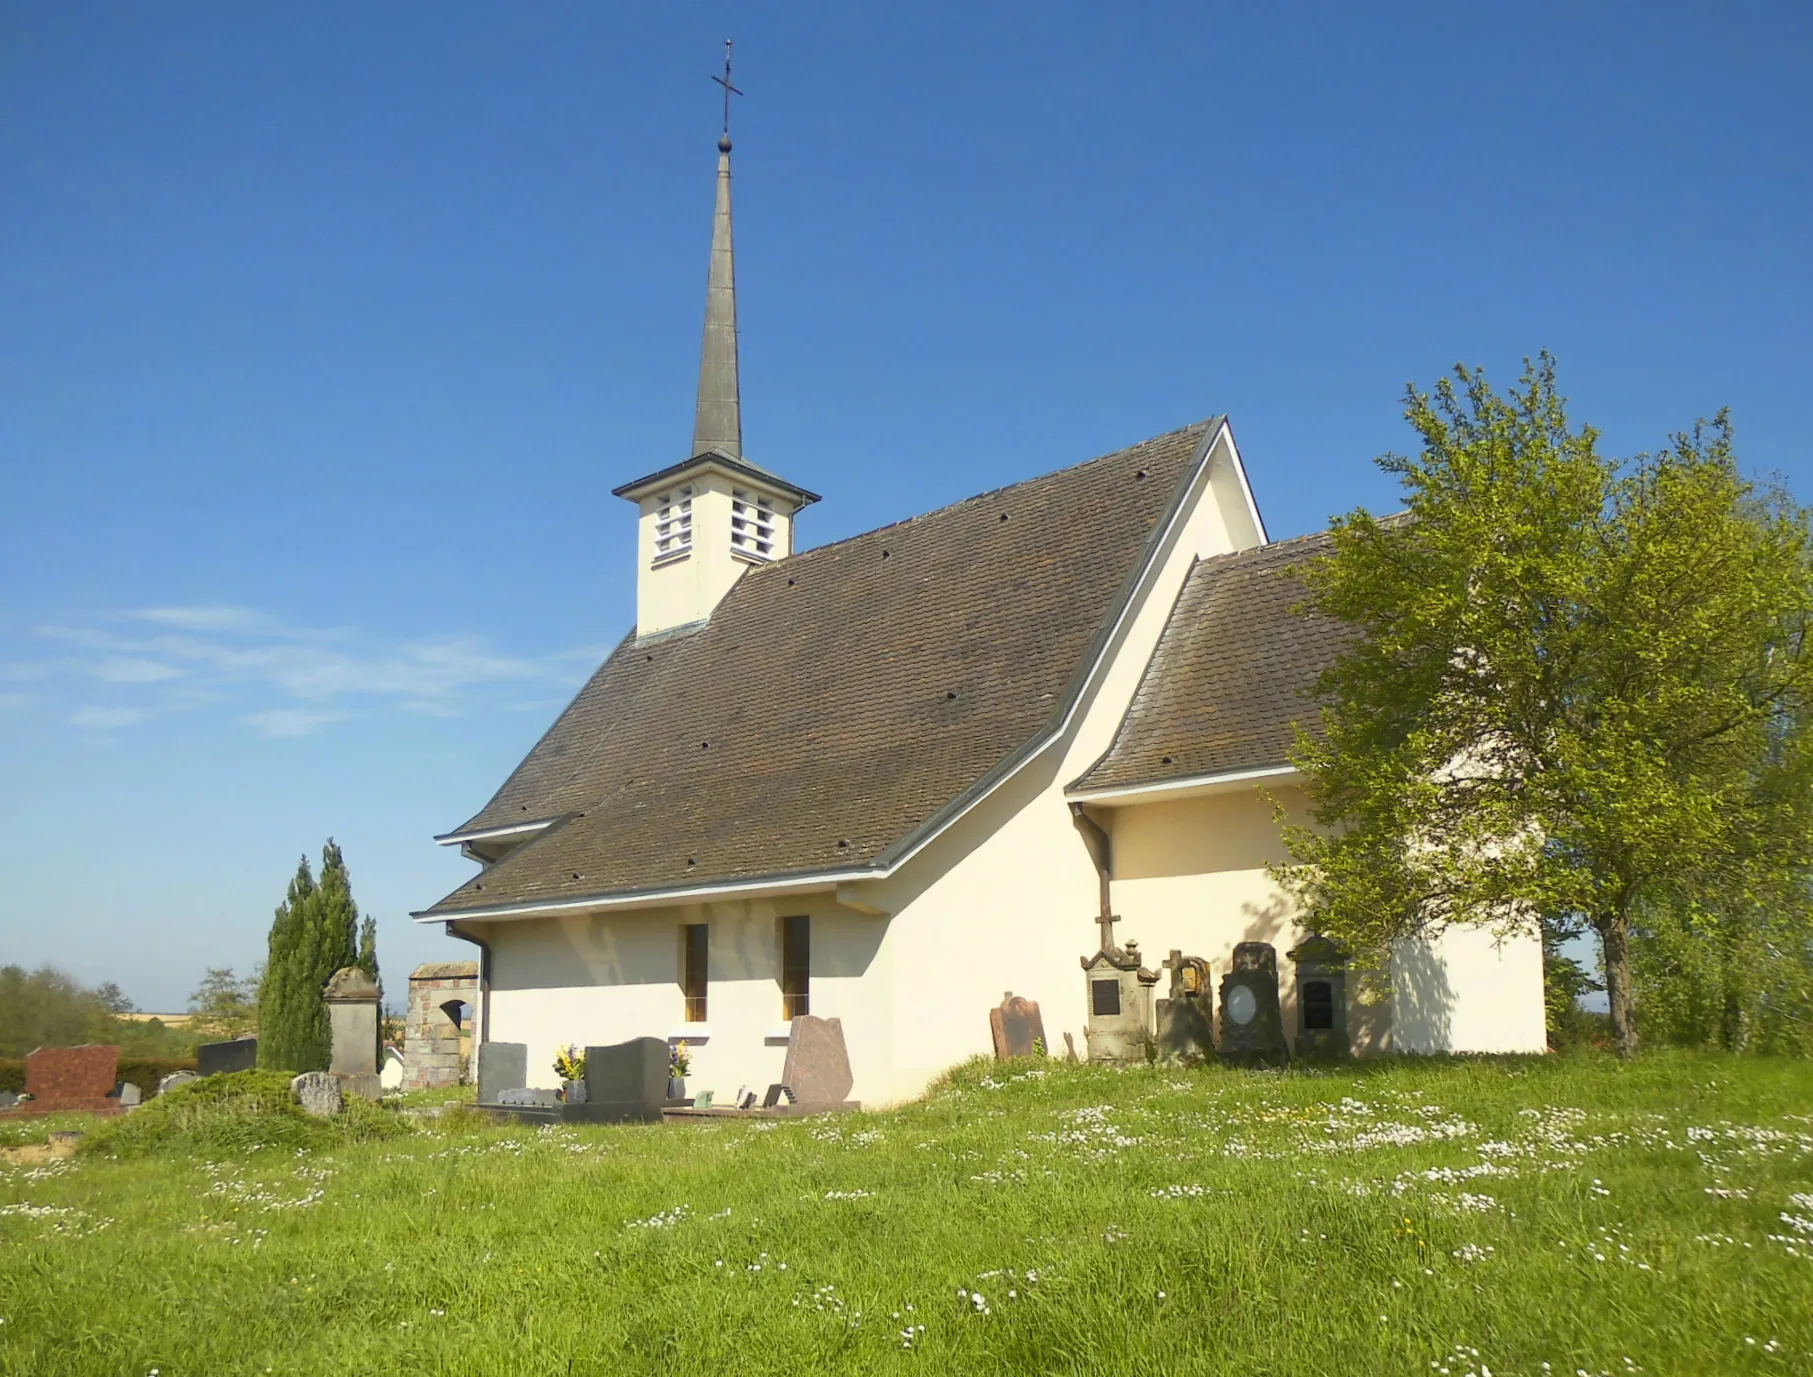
pixel 729 91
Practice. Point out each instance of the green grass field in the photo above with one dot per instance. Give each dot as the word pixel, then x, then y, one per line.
pixel 1532 1216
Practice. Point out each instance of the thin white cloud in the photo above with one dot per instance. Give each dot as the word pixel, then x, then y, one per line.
pixel 14 702
pixel 289 721
pixel 105 719
pixel 219 618
pixel 130 669
pixel 285 680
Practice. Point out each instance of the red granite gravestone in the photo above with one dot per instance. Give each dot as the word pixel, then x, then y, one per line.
pixel 64 1078
pixel 1017 1028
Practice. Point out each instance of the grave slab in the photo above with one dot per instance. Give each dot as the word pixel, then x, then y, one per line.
pixel 501 1066
pixel 224 1058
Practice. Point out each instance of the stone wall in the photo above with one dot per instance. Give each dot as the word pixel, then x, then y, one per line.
pixel 433 1054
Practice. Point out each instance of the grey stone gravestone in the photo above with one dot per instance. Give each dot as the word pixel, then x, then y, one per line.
pixel 318 1092
pixel 8 1098
pixel 626 1080
pixel 501 1066
pixel 1185 1032
pixel 1118 1027
pixel 817 1069
pixel 130 1094
pixel 174 1079
pixel 352 1015
pixel 1017 1029
pixel 704 1099
pixel 221 1058
pixel 773 1097
pixel 1252 1024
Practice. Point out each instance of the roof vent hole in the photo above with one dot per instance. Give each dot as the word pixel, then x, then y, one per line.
pixel 951 697
pixel 705 745
pixel 692 860
pixel 575 874
pixel 791 582
pixel 843 843
pixel 1139 476
pixel 886 554
pixel 1003 516
pixel 1167 761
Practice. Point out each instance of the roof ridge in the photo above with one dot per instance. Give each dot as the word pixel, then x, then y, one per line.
pixel 1203 424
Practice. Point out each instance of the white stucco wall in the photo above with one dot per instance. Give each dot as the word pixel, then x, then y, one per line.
pixel 1466 990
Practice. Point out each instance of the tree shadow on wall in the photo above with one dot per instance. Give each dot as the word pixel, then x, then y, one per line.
pixel 1422 999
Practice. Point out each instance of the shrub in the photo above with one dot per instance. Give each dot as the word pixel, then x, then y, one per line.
pixel 240 1112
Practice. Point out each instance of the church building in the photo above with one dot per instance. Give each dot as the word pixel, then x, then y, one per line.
pixel 888 779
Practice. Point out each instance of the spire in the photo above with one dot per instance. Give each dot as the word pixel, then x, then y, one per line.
pixel 718 423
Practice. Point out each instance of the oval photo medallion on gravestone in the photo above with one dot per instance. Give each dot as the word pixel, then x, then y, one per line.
pixel 1241 1006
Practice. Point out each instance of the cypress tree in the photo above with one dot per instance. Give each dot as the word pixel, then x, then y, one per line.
pixel 368 949
pixel 281 1015
pixel 315 934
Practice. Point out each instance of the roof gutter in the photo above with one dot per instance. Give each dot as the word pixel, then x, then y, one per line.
pixel 1190 786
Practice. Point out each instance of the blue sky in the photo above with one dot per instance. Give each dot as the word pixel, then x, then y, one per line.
pixel 325 332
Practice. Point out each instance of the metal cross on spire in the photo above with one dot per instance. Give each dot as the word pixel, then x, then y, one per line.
pixel 729 90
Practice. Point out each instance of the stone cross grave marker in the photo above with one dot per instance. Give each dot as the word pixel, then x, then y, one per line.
pixel 1018 1029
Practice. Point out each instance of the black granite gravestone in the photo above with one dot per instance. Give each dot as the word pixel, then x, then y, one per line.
pixel 219 1058
pixel 624 1082
pixel 1252 1023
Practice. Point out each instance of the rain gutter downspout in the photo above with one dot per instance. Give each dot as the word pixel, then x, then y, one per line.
pixel 484 983
pixel 1101 851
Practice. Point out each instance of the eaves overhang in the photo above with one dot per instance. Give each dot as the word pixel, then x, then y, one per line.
pixel 740 468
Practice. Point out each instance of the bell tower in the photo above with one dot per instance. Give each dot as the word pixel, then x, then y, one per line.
pixel 705 520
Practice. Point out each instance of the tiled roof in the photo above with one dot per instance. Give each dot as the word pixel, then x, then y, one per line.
pixel 837 701
pixel 1231 673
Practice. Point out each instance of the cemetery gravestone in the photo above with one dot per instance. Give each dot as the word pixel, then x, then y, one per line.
pixel 1185 1032
pixel 1321 1000
pixel 72 1077
pixel 318 1092
pixel 1017 1028
pixel 352 1014
pixel 1252 1024
pixel 130 1095
pixel 502 1066
pixel 8 1099
pixel 817 1069
pixel 1119 1022
pixel 626 1081
pixel 174 1079
pixel 223 1058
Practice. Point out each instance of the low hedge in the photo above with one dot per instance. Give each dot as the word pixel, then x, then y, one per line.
pixel 144 1072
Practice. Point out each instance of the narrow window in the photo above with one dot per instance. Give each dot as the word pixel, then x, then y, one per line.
pixel 696 942
pixel 1318 1005
pixel 796 966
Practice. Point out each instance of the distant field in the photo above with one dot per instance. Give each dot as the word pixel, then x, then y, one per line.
pixel 1527 1217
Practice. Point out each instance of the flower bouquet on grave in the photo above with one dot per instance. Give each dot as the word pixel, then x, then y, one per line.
pixel 679 1062
pixel 569 1065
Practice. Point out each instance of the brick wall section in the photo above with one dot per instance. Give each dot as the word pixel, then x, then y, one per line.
pixel 432 1052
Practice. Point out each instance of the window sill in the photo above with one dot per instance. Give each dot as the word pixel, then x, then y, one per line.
pixel 691 1032
pixel 671 557
pixel 780 1033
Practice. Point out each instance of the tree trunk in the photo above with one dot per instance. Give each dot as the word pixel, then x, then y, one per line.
pixel 1614 934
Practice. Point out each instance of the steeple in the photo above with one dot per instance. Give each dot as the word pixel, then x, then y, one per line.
pixel 718 422
pixel 701 523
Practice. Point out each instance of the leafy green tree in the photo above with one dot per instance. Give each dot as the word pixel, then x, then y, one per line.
pixel 224 1006
pixel 113 999
pixel 46 1008
pixel 312 935
pixel 1578 685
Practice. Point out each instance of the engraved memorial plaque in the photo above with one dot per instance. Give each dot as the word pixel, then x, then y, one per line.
pixel 1105 998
